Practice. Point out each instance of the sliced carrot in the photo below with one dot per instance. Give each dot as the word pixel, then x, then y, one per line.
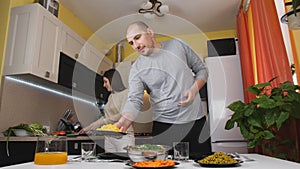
pixel 155 163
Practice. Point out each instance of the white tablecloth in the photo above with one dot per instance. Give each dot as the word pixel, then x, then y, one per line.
pixel 260 162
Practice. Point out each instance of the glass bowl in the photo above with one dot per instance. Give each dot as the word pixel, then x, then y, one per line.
pixel 147 152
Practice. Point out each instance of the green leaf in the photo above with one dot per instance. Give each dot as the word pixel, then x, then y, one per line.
pixel 245 132
pixel 262 85
pixel 278 100
pixel 254 122
pixel 281 119
pixel 249 109
pixel 270 118
pixel 268 134
pixel 236 106
pixel 7 139
pixel 36 125
pixel 258 88
pixel 293 96
pixel 253 129
pixel 251 144
pixel 287 85
pixel 259 135
pixel 265 102
pixel 253 90
pixel 229 124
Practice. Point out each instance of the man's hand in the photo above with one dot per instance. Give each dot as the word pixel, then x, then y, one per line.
pixel 123 123
pixel 191 93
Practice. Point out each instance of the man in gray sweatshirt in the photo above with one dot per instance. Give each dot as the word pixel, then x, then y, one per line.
pixel 172 74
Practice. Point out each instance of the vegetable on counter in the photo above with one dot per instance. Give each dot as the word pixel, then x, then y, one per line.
pixel 59 133
pixel 34 129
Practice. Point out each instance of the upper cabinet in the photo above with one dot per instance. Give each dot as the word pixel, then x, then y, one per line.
pixel 95 60
pixel 33 43
pixel 104 65
pixel 35 39
pixel 72 43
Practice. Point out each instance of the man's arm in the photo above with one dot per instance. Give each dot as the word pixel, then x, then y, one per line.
pixel 191 93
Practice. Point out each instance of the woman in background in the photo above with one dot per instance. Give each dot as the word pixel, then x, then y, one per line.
pixel 112 81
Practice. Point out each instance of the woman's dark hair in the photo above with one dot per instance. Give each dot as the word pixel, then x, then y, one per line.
pixel 115 80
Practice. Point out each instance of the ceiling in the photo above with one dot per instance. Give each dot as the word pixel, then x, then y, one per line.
pixel 109 18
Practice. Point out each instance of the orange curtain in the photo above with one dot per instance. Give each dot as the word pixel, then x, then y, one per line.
pixel 245 54
pixel 271 56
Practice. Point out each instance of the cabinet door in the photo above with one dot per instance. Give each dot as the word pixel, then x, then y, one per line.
pixel 49 32
pixel 91 57
pixel 72 43
pixel 33 43
pixel 21 40
pixel 105 64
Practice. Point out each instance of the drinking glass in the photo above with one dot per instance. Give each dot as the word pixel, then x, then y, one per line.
pixel 51 150
pixel 181 150
pixel 88 151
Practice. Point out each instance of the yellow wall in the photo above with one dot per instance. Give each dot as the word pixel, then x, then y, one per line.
pixel 68 18
pixel 15 3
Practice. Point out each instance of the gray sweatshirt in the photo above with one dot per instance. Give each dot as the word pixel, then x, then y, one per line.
pixel 166 75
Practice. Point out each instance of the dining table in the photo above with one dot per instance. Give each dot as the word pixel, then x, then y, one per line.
pixel 250 161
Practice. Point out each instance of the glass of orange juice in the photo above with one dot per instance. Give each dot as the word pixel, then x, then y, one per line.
pixel 51 150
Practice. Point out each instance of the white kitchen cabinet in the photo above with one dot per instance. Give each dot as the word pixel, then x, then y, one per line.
pixel 90 57
pixel 33 43
pixel 105 64
pixel 72 43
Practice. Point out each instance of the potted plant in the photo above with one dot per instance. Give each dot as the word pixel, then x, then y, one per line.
pixel 261 119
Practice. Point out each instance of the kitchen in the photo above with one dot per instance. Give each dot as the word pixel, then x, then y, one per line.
pixel 27 109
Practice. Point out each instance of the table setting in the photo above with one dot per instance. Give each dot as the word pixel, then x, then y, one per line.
pixel 51 152
pixel 257 162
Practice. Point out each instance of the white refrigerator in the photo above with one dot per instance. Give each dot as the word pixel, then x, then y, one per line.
pixel 224 86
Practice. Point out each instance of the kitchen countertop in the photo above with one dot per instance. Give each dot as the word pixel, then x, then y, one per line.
pixel 260 162
pixel 14 138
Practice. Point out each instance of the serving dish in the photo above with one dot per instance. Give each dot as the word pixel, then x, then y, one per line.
pixel 217 165
pixel 148 167
pixel 234 162
pixel 147 152
pixel 106 133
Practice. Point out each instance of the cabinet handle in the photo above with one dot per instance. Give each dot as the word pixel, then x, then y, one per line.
pixel 74 84
pixel 47 74
pixel 76 56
